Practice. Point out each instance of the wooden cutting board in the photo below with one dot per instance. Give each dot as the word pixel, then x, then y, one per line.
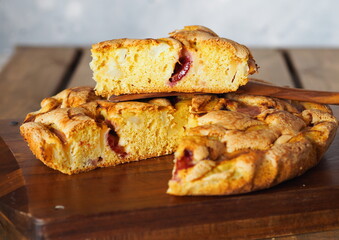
pixel 129 201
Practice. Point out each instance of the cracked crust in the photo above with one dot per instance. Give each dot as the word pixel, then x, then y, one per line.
pixel 67 98
pixel 75 136
pixel 223 144
pixel 191 35
pixel 257 149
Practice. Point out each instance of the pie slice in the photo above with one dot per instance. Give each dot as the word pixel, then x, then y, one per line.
pixel 223 144
pixel 193 59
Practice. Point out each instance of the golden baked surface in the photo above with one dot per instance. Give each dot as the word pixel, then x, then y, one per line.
pixel 225 144
pixel 250 143
pixel 193 59
pixel 76 134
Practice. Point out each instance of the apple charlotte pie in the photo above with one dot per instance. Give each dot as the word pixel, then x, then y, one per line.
pixel 222 144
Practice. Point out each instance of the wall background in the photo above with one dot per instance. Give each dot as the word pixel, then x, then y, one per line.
pixel 256 23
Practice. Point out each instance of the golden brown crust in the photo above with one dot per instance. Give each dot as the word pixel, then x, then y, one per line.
pixel 54 139
pixel 78 134
pixel 280 141
pixel 190 35
pixel 232 144
pixel 194 28
pixel 213 64
pixel 67 98
pixel 104 46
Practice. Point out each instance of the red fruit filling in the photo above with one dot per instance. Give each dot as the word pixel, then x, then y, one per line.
pixel 250 110
pixel 113 142
pixel 181 68
pixel 186 161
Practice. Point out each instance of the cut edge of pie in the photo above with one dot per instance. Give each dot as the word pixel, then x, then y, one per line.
pixel 193 59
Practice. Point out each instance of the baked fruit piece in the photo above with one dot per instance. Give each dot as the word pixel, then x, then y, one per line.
pixel 193 59
pixel 223 144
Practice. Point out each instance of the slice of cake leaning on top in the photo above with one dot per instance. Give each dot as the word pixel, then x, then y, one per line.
pixel 193 59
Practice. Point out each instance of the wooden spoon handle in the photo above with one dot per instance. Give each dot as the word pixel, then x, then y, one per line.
pixel 253 87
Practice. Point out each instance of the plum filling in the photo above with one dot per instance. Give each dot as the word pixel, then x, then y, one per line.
pixel 94 162
pixel 253 67
pixel 186 161
pixel 181 68
pixel 59 134
pixel 113 142
pixel 250 110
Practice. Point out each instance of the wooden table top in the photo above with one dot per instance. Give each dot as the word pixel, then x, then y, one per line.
pixel 124 202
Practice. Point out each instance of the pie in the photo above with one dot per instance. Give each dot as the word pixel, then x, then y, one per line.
pixel 193 59
pixel 223 144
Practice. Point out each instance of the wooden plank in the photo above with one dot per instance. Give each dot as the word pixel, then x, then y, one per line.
pixel 32 74
pixel 317 68
pixel 83 74
pixel 273 67
pixel 127 202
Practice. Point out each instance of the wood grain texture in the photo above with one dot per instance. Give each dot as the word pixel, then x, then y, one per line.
pixel 253 87
pixel 272 67
pixel 83 74
pixel 12 184
pixel 32 74
pixel 317 69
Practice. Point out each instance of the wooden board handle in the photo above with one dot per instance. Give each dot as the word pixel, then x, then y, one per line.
pixel 257 87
